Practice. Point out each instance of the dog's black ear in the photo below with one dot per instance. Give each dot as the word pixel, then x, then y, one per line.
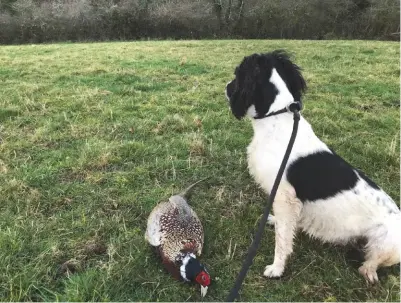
pixel 252 86
pixel 241 98
pixel 290 73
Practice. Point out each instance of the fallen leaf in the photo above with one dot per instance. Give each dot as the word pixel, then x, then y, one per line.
pixel 69 267
pixel 198 122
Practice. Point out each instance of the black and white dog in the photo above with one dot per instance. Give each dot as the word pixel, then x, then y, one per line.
pixel 320 193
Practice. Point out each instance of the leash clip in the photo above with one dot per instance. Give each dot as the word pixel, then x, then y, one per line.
pixel 294 106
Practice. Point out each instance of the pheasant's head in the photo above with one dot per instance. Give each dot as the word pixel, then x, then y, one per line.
pixel 192 270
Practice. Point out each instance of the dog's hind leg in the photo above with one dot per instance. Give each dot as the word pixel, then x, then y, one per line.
pixel 286 212
pixel 368 270
pixel 382 249
pixel 375 259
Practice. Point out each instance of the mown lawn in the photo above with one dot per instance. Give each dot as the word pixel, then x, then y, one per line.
pixel 92 136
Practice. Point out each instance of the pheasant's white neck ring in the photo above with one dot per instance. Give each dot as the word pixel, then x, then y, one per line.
pixel 185 261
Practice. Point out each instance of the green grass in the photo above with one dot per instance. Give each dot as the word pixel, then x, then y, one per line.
pixel 94 135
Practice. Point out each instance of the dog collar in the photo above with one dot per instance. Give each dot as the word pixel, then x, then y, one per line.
pixel 290 108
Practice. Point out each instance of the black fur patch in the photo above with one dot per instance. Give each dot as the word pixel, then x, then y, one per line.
pixel 251 85
pixel 230 88
pixel 320 176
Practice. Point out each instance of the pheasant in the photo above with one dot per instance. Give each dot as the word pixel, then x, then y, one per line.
pixel 177 233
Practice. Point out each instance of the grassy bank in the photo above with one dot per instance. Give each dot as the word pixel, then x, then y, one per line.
pixel 92 136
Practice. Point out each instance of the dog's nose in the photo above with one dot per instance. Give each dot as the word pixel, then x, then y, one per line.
pixel 229 89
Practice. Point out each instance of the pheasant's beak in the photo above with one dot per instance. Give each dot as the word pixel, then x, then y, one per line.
pixel 203 290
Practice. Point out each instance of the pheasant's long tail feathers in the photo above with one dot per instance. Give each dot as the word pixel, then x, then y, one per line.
pixel 186 192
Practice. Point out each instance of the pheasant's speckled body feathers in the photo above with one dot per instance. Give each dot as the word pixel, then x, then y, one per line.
pixel 175 229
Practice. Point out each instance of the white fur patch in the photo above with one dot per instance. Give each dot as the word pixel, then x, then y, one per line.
pixel 284 97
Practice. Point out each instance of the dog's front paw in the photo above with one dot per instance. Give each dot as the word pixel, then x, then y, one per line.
pixel 273 271
pixel 271 220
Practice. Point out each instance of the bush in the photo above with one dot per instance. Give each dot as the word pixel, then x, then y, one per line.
pixel 35 21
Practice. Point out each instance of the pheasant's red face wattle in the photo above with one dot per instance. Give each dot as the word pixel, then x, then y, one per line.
pixel 203 278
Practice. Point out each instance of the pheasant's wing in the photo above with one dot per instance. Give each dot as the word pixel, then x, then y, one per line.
pixel 154 231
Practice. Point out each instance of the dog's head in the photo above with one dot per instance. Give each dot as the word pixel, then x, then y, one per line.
pixel 262 80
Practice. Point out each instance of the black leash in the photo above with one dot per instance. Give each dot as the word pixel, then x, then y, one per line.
pixel 295 108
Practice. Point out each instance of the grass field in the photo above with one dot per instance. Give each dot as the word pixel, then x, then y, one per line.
pixel 92 136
